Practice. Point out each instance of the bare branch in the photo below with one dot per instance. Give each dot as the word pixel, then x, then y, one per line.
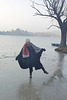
pixel 39 13
pixel 54 9
pixel 65 20
pixel 37 10
pixel 63 1
pixel 37 3
pixel 54 26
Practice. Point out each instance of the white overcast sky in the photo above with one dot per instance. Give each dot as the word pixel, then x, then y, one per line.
pixel 19 14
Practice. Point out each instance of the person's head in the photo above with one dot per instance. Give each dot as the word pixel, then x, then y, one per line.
pixel 27 40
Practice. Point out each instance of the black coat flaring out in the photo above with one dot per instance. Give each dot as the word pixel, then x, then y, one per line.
pixel 34 57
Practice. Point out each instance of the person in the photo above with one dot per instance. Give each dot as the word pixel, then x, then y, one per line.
pixel 29 57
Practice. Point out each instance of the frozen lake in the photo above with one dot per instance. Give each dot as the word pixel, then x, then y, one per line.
pixel 14 81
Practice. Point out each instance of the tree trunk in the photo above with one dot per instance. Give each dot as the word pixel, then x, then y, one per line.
pixel 63 37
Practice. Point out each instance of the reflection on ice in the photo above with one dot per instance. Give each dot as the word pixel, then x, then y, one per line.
pixel 27 91
pixel 58 74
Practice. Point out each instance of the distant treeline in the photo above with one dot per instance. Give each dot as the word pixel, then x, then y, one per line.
pixel 16 32
pixel 19 32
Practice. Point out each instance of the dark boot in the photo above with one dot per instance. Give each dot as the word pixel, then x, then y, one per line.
pixel 30 76
pixel 46 72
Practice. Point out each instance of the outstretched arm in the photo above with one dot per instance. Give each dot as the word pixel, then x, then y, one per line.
pixel 39 53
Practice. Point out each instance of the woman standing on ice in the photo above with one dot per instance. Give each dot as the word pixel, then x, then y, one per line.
pixel 29 57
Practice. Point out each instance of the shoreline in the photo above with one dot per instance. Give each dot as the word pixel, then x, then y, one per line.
pixel 62 49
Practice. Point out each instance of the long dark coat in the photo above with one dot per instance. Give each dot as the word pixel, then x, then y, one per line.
pixel 33 60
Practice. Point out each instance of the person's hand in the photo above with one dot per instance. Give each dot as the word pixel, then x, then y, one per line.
pixel 44 49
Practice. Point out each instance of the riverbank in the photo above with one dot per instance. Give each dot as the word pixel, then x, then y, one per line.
pixel 62 49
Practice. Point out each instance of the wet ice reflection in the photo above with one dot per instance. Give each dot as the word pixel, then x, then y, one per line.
pixel 58 74
pixel 28 91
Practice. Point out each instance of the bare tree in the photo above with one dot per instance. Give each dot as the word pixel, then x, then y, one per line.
pixel 57 10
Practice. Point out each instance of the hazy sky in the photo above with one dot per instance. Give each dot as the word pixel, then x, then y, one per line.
pixel 19 14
